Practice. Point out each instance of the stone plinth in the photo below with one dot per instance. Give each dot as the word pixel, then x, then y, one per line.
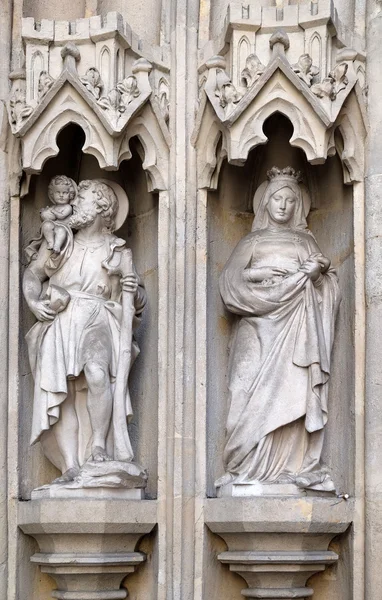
pixel 277 544
pixel 87 548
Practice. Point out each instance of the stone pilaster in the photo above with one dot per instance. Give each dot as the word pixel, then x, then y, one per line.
pixel 374 307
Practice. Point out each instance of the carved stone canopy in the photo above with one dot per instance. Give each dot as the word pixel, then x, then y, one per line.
pixel 315 95
pixel 94 75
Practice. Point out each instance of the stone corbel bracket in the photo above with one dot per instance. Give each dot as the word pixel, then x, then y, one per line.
pixel 87 552
pixel 277 544
pixel 239 93
pixel 93 75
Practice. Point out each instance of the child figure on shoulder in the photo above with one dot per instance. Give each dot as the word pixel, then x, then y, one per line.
pixel 61 192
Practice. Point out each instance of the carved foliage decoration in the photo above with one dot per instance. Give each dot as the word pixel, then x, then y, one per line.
pixel 305 69
pixel 118 99
pixel 107 117
pixel 333 84
pixel 18 109
pixel 164 98
pixel 93 82
pixel 308 93
pixel 252 71
pixel 45 82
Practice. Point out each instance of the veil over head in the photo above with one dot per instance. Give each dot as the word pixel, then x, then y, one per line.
pixel 279 179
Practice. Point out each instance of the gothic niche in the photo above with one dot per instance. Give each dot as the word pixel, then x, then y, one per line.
pixel 89 315
pixel 308 454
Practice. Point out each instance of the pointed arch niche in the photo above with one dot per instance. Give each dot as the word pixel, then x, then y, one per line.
pixel 141 232
pixel 229 216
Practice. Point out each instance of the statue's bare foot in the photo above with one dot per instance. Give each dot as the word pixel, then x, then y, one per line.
pixel 100 455
pixel 224 480
pixel 69 475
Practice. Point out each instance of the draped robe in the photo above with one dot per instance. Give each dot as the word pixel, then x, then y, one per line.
pixel 279 359
pixel 87 327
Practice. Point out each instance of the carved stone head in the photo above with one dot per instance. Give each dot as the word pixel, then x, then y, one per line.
pixel 95 198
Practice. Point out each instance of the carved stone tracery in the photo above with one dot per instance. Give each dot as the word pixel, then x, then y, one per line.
pixel 312 96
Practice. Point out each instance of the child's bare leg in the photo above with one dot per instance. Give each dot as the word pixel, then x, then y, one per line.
pixel 59 239
pixel 47 229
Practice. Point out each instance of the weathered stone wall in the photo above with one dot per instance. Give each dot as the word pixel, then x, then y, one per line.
pixel 190 180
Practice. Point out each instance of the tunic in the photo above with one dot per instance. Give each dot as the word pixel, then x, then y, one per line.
pixel 86 329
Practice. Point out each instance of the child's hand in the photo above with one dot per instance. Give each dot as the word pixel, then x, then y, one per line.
pixel 47 213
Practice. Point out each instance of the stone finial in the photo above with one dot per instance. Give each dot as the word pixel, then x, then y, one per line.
pixel 17 74
pixel 216 62
pixel 141 65
pixel 346 55
pixel 279 42
pixel 70 55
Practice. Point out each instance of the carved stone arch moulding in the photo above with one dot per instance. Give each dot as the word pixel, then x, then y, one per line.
pixel 109 109
pixel 317 99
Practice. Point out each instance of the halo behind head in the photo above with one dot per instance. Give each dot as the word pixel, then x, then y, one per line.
pixel 123 202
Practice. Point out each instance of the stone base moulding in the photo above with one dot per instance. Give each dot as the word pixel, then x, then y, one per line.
pixel 88 547
pixel 89 576
pixel 277 544
pixel 289 570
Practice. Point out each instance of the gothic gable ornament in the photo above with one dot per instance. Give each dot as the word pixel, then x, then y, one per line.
pixel 263 70
pixel 92 74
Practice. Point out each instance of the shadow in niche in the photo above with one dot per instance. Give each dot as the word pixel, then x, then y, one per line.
pixel 230 218
pixel 141 232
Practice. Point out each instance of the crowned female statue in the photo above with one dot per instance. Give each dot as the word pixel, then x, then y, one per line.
pixel 286 294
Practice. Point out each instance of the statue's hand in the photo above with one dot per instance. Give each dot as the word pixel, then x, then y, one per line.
pixel 312 268
pixel 42 311
pixel 47 213
pixel 255 274
pixel 129 283
pixel 324 262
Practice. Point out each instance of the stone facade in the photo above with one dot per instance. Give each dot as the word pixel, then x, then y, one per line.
pixel 135 142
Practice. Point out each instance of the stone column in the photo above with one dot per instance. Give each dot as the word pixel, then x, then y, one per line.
pixel 373 446
pixel 181 409
pixel 5 53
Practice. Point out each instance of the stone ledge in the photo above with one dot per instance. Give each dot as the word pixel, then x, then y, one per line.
pixel 87 516
pixel 283 515
pixel 88 546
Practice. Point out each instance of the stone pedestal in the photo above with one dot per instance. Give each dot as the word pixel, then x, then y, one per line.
pixel 277 544
pixel 248 490
pixel 88 550
pixel 277 574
